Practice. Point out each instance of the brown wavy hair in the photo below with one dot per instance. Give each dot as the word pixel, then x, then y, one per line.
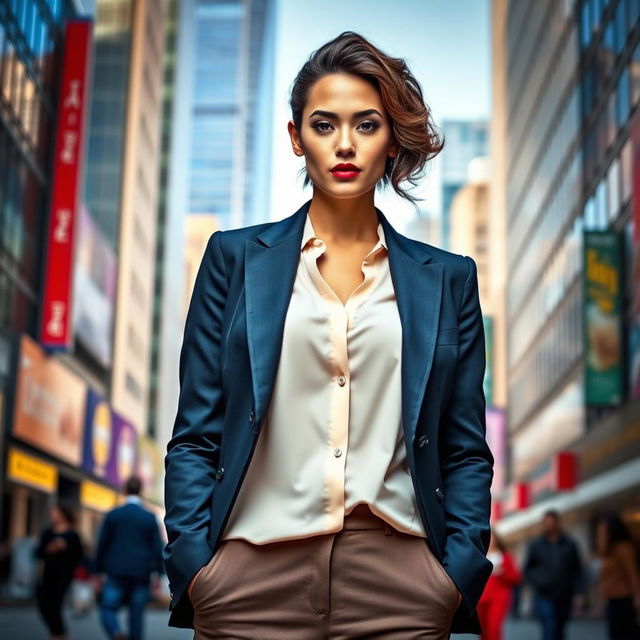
pixel 411 122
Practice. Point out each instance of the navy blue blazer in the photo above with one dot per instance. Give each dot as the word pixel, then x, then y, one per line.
pixel 229 358
pixel 129 545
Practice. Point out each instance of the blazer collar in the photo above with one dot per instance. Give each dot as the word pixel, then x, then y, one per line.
pixel 293 226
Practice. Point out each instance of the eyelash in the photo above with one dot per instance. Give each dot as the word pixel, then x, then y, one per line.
pixel 374 126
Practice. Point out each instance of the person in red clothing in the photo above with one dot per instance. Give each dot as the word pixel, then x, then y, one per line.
pixel 495 601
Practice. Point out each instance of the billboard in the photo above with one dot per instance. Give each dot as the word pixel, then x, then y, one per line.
pixel 602 318
pixel 94 290
pixel 634 257
pixel 110 442
pixel 55 322
pixel 49 404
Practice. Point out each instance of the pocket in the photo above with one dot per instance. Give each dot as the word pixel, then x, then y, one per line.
pixel 446 579
pixel 206 570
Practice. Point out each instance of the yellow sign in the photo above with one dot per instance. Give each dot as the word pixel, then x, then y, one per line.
pixel 97 497
pixel 26 469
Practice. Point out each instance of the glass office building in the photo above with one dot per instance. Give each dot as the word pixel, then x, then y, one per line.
pixel 572 93
pixel 232 102
pixel 30 58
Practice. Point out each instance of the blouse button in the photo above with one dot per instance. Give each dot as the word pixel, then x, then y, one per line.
pixel 342 381
pixel 337 453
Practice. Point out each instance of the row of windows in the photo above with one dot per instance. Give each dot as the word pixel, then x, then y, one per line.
pixel 556 351
pixel 621 21
pixel 612 116
pixel 600 211
pixel 22 202
pixel 552 116
pixel 553 285
pixel 25 109
pixel 548 187
pixel 523 39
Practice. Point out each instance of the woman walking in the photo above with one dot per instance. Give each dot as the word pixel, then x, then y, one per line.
pixel 328 475
pixel 60 549
pixel 497 596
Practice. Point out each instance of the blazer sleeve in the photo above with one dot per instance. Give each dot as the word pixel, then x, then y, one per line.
pixel 193 450
pixel 466 462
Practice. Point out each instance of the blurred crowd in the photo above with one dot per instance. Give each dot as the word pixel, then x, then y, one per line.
pixel 563 584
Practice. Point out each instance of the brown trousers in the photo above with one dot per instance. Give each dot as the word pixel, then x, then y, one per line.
pixel 366 581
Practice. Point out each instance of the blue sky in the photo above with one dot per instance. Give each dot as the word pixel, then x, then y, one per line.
pixel 446 44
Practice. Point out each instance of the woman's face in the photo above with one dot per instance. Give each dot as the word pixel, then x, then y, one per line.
pixel 344 122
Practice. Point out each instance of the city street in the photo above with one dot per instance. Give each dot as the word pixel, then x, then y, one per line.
pixel 23 623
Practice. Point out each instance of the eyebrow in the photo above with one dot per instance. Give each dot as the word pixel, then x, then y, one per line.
pixel 357 114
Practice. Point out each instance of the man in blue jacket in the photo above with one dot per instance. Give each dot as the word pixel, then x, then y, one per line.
pixel 129 550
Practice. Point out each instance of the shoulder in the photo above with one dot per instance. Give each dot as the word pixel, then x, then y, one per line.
pixel 232 239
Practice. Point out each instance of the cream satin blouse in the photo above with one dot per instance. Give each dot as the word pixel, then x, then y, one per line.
pixel 332 436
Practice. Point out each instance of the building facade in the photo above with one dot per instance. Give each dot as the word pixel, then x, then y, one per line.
pixel 568 91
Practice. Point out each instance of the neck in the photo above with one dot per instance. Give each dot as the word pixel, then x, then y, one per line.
pixel 344 221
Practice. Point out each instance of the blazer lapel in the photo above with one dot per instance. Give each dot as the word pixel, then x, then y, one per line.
pixel 271 263
pixel 417 283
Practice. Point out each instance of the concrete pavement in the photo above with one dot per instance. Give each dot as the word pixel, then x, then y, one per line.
pixel 23 623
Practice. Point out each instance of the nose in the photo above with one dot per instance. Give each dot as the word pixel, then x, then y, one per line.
pixel 345 142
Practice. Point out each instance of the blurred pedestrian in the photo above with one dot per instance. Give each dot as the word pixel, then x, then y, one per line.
pixel 496 598
pixel 619 582
pixel 554 568
pixel 60 549
pixel 129 551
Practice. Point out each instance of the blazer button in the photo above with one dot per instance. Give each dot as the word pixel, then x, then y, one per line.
pixel 422 441
pixel 439 493
pixel 251 416
pixel 220 473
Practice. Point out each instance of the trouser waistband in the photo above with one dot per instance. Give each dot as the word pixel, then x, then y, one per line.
pixel 361 517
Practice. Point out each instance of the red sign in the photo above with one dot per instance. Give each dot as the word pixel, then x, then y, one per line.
pixel 516 498
pixel 55 328
pixel 557 474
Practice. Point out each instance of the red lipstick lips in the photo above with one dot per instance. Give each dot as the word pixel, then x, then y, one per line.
pixel 345 171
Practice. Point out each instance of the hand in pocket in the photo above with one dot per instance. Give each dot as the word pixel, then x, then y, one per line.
pixel 193 580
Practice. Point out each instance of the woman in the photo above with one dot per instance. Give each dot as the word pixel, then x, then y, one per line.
pixel 619 583
pixel 496 598
pixel 328 475
pixel 61 550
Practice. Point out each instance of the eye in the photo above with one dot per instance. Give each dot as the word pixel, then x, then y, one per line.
pixel 372 125
pixel 318 125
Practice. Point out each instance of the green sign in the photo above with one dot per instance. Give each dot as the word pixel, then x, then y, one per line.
pixel 602 318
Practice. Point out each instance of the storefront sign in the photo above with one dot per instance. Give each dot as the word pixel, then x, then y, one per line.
pixel 49 404
pixel 95 496
pixel 554 475
pixel 602 318
pixel 614 441
pixel 55 330
pixel 29 470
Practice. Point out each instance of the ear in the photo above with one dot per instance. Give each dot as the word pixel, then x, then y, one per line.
pixel 394 149
pixel 296 143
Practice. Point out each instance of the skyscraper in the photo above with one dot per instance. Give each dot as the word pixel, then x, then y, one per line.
pixel 231 135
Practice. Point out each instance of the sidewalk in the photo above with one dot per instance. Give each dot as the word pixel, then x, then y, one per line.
pixel 23 623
